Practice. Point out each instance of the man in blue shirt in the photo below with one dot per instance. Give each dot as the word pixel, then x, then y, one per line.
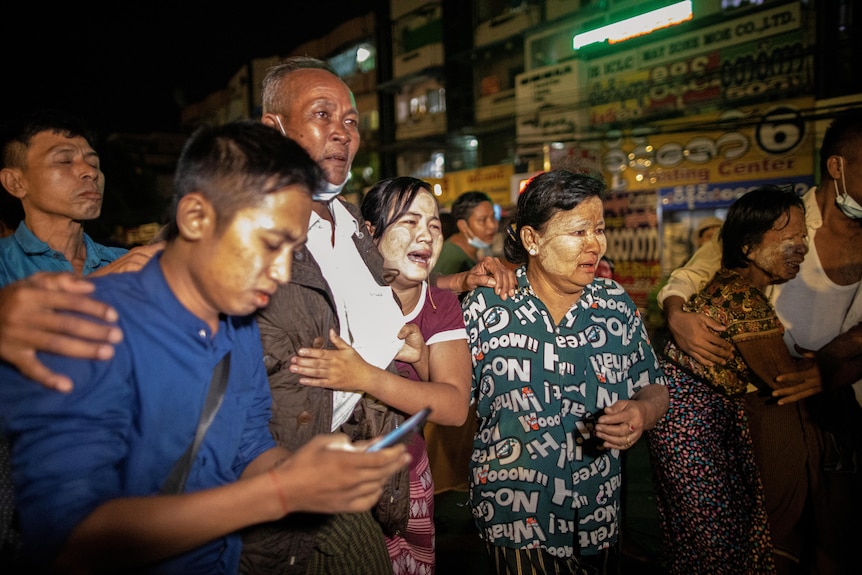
pixel 89 465
pixel 47 162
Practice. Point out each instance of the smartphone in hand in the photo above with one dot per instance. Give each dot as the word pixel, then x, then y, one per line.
pixel 413 423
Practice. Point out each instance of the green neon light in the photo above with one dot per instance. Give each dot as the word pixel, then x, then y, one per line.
pixel 636 25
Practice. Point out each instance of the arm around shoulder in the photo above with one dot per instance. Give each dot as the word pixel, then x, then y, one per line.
pixel 694 333
pixel 489 272
pixel 688 279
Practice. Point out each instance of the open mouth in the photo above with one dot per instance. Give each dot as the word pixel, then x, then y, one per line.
pixel 419 257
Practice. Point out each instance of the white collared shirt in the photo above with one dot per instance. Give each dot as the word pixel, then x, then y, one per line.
pixel 368 314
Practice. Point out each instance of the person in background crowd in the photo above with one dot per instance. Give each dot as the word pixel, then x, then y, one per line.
pixel 580 383
pixel 476 225
pixel 812 509
pixel 50 165
pixel 402 218
pixel 91 466
pixel 710 497
pixel 705 230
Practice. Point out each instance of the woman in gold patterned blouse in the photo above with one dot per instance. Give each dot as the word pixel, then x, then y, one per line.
pixel 710 497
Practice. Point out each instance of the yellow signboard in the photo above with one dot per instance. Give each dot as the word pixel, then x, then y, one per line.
pixel 493 180
pixel 772 141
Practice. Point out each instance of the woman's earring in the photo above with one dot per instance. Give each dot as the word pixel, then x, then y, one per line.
pixel 533 251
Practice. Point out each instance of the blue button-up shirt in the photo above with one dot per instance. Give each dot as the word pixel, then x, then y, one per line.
pixel 23 254
pixel 128 419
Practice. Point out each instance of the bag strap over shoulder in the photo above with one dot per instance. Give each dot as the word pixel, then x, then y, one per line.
pixel 176 481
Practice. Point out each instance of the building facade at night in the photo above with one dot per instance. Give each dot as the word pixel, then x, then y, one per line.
pixel 681 106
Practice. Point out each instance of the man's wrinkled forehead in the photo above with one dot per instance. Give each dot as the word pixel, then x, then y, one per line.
pixel 310 73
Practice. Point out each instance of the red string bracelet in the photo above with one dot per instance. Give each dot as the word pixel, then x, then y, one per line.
pixel 277 483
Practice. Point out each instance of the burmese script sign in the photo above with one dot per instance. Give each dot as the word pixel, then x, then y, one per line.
pixel 754 56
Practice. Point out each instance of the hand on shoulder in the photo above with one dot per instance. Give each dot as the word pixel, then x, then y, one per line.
pixel 30 322
pixel 494 273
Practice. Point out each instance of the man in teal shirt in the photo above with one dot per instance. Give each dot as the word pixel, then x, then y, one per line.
pixel 49 164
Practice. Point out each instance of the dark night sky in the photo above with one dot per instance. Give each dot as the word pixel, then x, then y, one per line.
pixel 132 66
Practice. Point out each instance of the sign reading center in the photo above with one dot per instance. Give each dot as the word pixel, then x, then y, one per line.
pixel 745 143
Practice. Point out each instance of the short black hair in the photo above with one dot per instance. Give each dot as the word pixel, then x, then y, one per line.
pixel 389 199
pixel 463 206
pixel 610 263
pixel 16 134
pixel 236 164
pixel 843 135
pixel 544 196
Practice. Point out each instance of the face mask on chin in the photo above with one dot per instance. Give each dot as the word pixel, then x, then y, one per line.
pixel 328 191
pixel 474 240
pixel 848 206
pixel 478 244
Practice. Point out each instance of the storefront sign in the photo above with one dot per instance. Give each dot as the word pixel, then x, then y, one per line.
pixel 765 142
pixel 761 54
pixel 544 103
pixel 493 180
pixel 712 196
pixel 755 27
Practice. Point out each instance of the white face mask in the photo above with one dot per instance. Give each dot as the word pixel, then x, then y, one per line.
pixel 478 244
pixel 327 191
pixel 474 239
pixel 846 204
